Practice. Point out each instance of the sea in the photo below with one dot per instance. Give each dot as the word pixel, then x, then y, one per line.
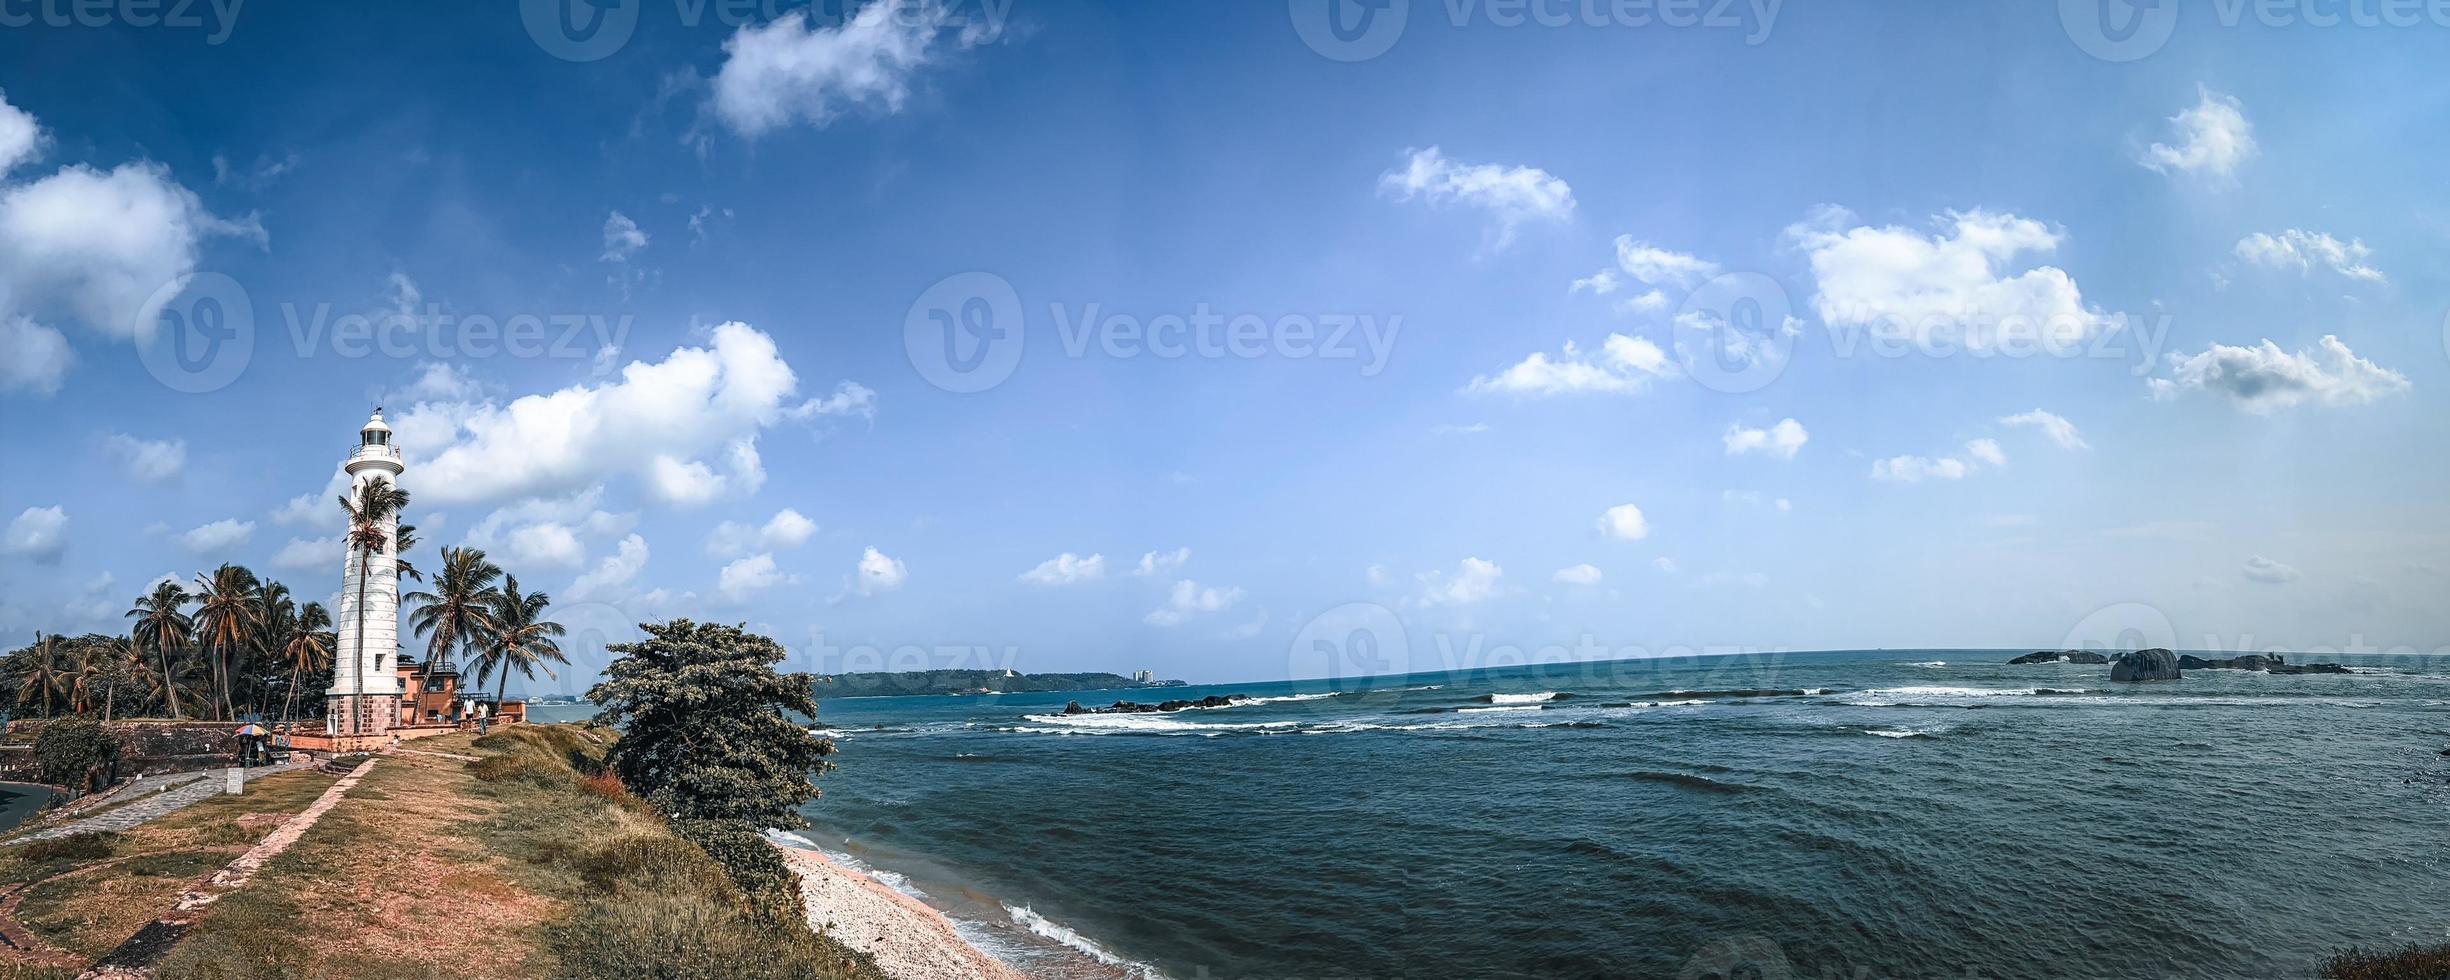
pixel 1856 814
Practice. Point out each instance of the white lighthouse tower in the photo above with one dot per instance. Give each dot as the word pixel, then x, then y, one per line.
pixel 365 694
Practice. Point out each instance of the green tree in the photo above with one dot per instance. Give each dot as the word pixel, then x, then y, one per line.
pixel 459 612
pixel 229 616
pixel 309 649
pixel 522 639
pixel 708 726
pixel 45 676
pixel 162 626
pixel 74 752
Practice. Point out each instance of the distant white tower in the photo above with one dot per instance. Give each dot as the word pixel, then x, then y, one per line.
pixel 365 694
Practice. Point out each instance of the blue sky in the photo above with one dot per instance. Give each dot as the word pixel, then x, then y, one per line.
pixel 1877 208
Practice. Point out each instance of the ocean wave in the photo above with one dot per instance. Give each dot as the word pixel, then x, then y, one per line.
pixel 1501 707
pixel 1148 722
pixel 1524 698
pixel 1024 917
pixel 1689 781
pixel 1887 696
pixel 1284 698
pixel 1928 663
pixel 1899 732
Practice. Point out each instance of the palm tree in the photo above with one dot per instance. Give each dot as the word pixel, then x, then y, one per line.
pixel 44 674
pixel 161 625
pixel 521 638
pixel 402 543
pixel 120 661
pixel 228 618
pixel 377 501
pixel 310 648
pixel 459 612
pixel 280 623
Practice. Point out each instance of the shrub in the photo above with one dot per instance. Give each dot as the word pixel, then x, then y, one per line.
pixel 523 768
pixel 2410 963
pixel 74 752
pixel 92 846
pixel 750 860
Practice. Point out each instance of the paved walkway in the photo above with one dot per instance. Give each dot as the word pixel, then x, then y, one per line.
pixel 141 809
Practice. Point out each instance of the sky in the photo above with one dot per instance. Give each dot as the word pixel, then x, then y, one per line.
pixel 1249 341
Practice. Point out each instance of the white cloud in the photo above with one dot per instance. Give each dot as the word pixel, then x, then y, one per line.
pixel 1474 580
pixel 790 70
pixel 39 533
pixel 1624 522
pixel 622 238
pixel 1782 440
pixel 439 382
pixel 2059 430
pixel 1665 564
pixel 2212 139
pixel 544 544
pixel 1190 599
pixel 2269 572
pixel 146 460
pixel 1655 266
pixel 1953 287
pixel 1624 364
pixel 615 572
pixel 1585 574
pixel 745 578
pixel 850 398
pixel 217 536
pixel 878 574
pixel 2304 251
pixel 1784 504
pixel 1599 283
pixel 1066 569
pixel 95 246
pixel 21 138
pixel 1513 196
pixel 311 554
pixel 33 358
pixel 786 529
pixel 2265 379
pixel 1157 563
pixel 1915 469
pixel 660 423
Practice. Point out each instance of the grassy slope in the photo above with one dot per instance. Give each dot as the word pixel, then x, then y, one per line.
pixel 513 867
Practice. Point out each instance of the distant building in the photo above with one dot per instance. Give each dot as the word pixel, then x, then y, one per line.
pixel 1144 676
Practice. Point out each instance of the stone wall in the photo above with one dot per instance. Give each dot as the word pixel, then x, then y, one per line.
pixel 144 746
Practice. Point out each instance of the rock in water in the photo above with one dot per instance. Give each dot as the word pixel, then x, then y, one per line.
pixel 2146 665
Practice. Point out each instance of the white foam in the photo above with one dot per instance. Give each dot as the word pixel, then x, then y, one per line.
pixel 1280 699
pixel 1522 698
pixel 1929 663
pixel 1897 732
pixel 1502 707
pixel 1895 695
pixel 1026 918
pixel 1146 722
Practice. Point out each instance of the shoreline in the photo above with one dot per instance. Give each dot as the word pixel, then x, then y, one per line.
pixel 913 939
pixel 908 939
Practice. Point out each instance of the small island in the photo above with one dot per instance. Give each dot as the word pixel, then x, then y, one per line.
pixel 953 682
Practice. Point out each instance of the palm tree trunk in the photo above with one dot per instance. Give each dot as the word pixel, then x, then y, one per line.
pixel 291 701
pixel 170 689
pixel 109 695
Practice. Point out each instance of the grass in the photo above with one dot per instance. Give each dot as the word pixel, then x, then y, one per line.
pixel 523 864
pixel 2408 963
pixel 90 891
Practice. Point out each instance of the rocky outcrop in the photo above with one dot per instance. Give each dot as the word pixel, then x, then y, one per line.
pixel 1137 708
pixel 2311 669
pixel 2251 661
pixel 2146 665
pixel 2060 656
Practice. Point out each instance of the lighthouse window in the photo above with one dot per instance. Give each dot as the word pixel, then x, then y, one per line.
pixel 377 438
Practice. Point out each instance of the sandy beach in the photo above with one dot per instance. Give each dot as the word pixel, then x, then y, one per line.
pixel 909 940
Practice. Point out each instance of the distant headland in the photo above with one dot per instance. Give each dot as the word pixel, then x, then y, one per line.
pixel 906 683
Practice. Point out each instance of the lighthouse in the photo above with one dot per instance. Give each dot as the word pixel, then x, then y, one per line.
pixel 365 694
